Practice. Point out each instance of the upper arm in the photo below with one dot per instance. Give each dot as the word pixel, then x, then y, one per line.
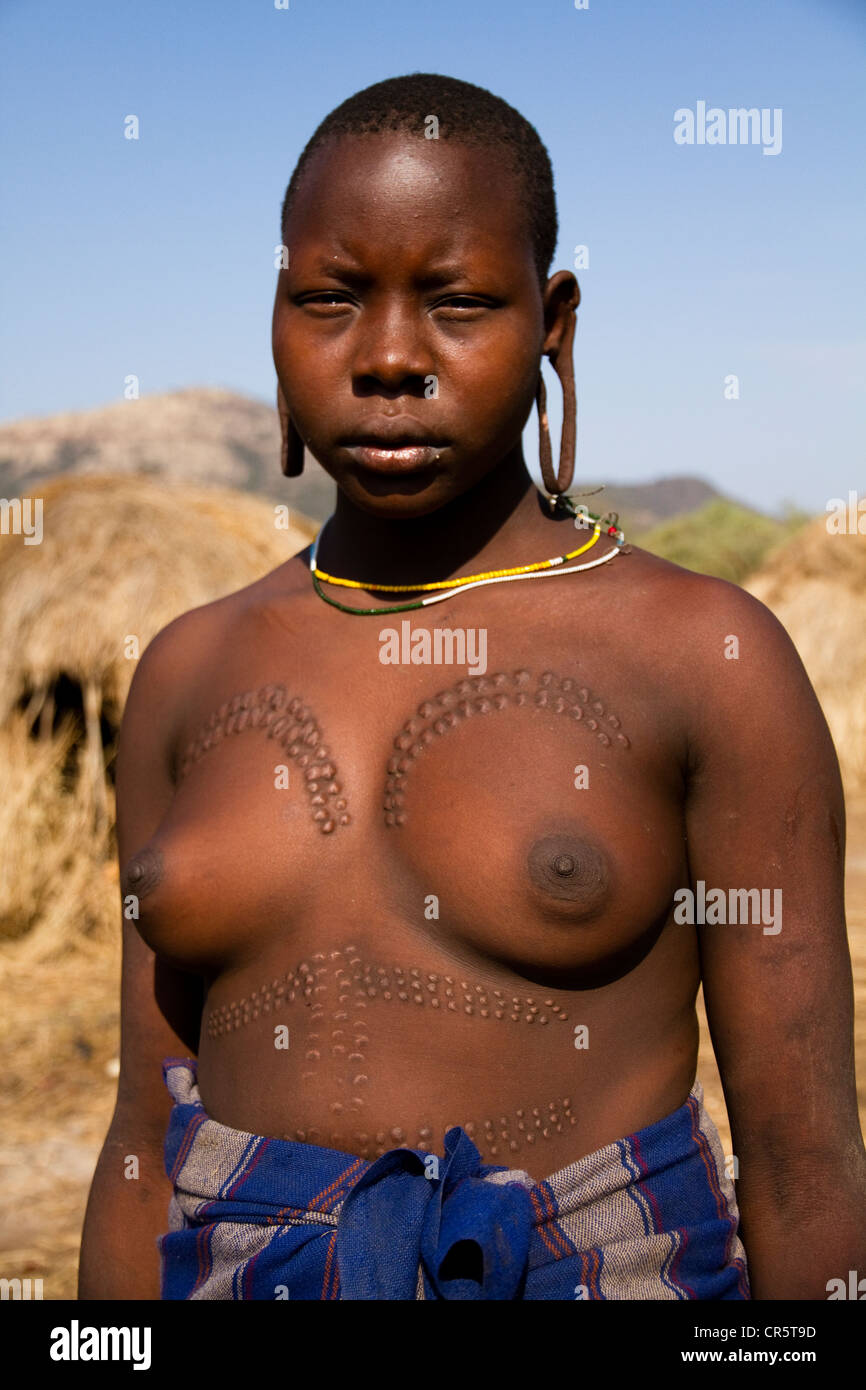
pixel 765 810
pixel 160 1006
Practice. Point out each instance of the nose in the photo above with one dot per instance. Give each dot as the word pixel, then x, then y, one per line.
pixel 392 350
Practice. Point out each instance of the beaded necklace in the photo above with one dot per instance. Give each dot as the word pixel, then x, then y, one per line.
pixel 450 587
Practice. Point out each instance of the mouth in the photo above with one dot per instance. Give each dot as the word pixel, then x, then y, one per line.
pixel 395 454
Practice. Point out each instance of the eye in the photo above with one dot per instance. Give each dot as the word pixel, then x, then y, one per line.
pixel 462 301
pixel 324 300
pixel 461 307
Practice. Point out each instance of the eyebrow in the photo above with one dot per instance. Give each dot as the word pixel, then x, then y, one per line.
pixel 352 274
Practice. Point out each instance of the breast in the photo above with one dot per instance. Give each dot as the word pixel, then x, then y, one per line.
pixel 171 895
pixel 543 850
pixel 229 867
pixel 522 839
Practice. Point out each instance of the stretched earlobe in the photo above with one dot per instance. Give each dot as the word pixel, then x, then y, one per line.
pixel 563 362
pixel 292 445
pixel 562 296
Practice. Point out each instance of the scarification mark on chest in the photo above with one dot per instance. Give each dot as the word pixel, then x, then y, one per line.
pixel 338 988
pixel 482 695
pixel 288 721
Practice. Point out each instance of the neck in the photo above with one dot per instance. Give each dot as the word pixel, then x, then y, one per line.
pixel 503 520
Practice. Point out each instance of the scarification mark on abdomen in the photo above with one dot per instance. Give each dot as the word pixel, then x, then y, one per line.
pixel 499 1137
pixel 343 981
pixel 482 695
pixel 338 989
pixel 290 723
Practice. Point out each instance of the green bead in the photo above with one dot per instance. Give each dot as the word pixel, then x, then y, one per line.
pixel 364 612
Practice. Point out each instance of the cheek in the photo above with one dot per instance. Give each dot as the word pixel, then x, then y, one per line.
pixel 303 376
pixel 494 389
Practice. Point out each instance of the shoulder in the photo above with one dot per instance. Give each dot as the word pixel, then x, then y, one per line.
pixel 181 643
pixel 740 692
pixel 719 655
pixel 697 616
pixel 184 650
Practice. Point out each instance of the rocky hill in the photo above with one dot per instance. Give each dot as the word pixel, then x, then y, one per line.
pixel 209 435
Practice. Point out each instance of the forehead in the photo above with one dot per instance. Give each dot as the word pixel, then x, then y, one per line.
pixel 398 195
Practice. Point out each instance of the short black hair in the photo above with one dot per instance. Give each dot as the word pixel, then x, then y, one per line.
pixel 469 114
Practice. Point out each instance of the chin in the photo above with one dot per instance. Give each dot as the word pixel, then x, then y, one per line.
pixel 396 505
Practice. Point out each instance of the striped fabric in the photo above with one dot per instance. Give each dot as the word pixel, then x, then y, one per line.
pixel 651 1216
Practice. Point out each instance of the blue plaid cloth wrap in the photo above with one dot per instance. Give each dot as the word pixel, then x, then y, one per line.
pixel 650 1216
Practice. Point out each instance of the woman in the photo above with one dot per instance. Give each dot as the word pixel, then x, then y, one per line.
pixel 417 943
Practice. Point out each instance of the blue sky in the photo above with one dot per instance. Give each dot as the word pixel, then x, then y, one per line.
pixel 155 256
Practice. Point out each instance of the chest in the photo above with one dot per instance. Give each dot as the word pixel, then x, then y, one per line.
pixel 524 809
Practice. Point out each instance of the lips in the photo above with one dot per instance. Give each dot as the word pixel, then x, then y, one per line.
pixel 397 450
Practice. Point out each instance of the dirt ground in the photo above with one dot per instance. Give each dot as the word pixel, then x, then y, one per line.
pixel 58 1044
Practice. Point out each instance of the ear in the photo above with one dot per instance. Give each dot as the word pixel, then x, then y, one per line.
pixel 560 300
pixel 292 446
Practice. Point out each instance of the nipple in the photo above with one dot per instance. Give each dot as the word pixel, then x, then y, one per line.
pixel 144 871
pixel 570 870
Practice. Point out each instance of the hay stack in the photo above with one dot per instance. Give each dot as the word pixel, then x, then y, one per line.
pixel 120 557
pixel 816 586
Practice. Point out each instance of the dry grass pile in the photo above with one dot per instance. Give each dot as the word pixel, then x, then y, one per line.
pixel 121 557
pixel 59 971
pixel 816 586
